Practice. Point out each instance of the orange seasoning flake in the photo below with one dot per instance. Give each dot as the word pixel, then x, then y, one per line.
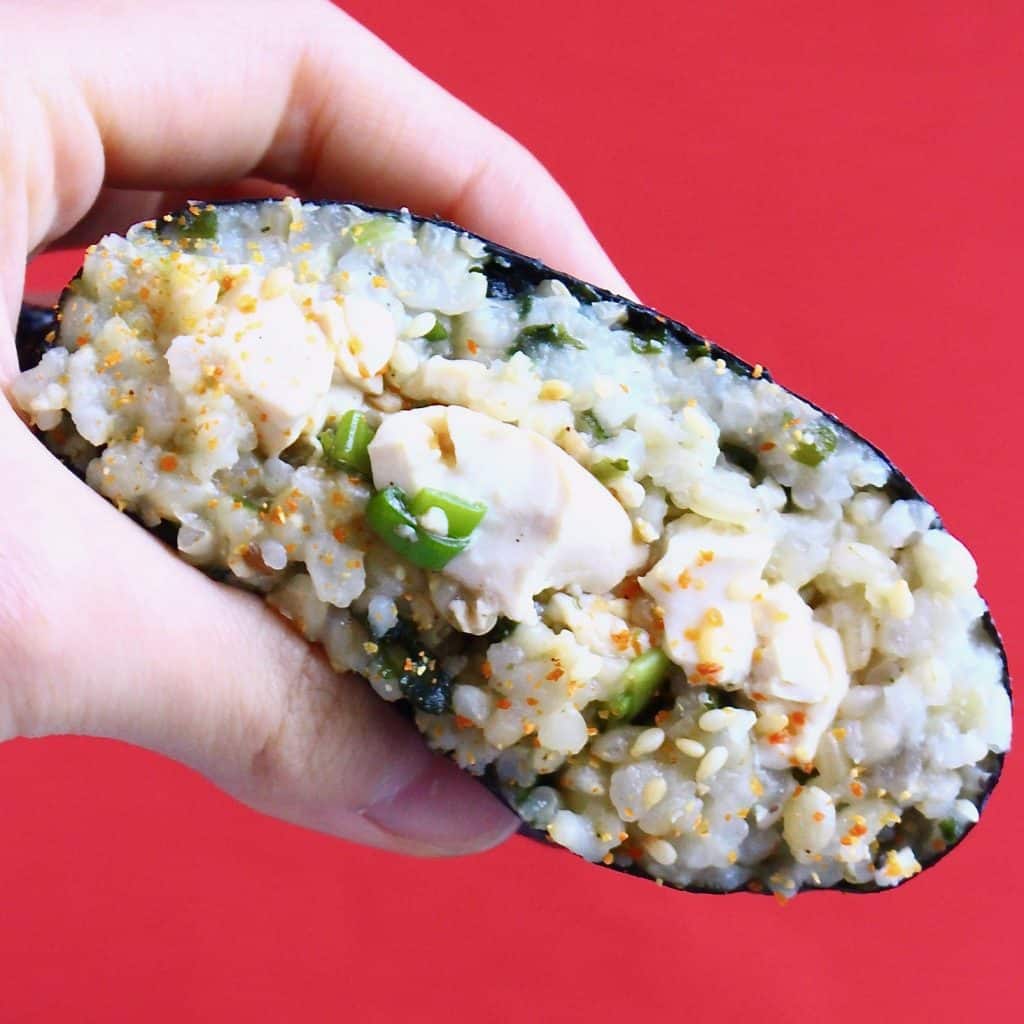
pixel 504 703
pixel 713 617
pixel 708 668
pixel 168 463
pixel 621 639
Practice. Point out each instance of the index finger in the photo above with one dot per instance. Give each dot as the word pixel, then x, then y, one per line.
pixel 295 92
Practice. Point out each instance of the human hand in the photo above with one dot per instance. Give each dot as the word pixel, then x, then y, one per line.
pixel 111 113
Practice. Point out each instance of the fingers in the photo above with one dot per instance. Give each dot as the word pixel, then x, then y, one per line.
pixel 295 92
pixel 103 632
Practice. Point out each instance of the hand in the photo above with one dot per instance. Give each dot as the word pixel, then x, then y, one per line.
pixel 103 632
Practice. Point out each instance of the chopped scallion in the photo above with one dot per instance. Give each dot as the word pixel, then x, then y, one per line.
pixel 346 445
pixel 640 680
pixel 817 444
pixel 389 515
pixel 463 516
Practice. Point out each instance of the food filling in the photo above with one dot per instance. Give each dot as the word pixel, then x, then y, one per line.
pixel 688 624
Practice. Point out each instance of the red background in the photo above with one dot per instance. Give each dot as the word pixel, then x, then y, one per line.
pixel 832 192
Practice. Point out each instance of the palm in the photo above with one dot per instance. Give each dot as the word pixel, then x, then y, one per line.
pixel 102 630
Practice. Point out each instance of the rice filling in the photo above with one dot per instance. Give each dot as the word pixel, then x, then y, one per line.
pixel 681 618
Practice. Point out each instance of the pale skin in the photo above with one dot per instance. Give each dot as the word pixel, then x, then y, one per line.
pixel 111 112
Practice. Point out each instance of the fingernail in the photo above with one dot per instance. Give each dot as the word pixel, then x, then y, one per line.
pixel 445 810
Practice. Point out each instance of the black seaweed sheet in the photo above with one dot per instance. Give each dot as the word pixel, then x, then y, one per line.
pixel 509 275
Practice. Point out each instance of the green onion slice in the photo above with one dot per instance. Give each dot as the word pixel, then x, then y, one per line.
pixel 817 444
pixel 347 444
pixel 391 517
pixel 641 678
pixel 464 516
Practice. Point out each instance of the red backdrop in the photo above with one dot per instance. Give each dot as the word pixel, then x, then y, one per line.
pixel 835 194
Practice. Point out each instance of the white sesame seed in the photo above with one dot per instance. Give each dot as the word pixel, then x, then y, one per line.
pixel 691 748
pixel 772 722
pixel 647 742
pixel 714 759
pixel 715 720
pixel 654 790
pixel 661 851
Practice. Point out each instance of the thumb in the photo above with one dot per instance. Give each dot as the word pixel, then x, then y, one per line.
pixel 103 632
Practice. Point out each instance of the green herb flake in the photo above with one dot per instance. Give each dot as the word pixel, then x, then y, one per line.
pixel 588 422
pixel 252 504
pixel 420 679
pixel 201 224
pixel 698 350
pixel 378 231
pixel 649 343
pixel 817 444
pixel 948 830
pixel 530 339
pixel 437 333
pixel 605 469
pixel 525 304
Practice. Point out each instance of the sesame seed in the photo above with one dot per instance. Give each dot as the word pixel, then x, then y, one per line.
pixel 714 720
pixel 772 723
pixel 647 742
pixel 691 748
pixel 661 851
pixel 711 762
pixel 654 791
